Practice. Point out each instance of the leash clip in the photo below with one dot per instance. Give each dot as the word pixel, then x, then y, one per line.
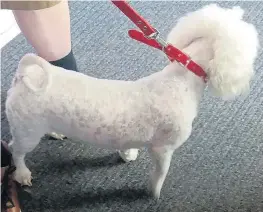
pixel 156 36
pixel 150 36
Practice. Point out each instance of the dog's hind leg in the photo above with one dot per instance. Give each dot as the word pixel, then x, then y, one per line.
pixel 23 143
pixel 129 154
pixel 161 158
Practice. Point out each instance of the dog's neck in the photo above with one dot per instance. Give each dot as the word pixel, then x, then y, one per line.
pixel 200 50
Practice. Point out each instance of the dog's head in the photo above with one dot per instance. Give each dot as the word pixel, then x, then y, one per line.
pixel 234 44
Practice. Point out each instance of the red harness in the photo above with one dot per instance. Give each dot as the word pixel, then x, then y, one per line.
pixel 150 36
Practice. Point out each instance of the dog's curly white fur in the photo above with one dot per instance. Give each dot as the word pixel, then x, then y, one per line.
pixel 155 112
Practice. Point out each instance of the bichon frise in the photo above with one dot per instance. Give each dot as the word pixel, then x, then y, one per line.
pixel 155 112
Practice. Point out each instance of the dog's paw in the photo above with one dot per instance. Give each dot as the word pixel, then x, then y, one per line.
pixel 154 191
pixel 23 176
pixel 57 136
pixel 129 155
pixel 156 195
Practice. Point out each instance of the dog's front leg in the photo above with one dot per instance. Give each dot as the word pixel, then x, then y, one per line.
pixel 161 157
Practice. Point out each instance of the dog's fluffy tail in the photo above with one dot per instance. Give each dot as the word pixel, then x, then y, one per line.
pixel 33 71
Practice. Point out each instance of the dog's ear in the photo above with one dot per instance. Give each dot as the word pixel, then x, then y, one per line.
pixel 234 44
pixel 231 69
pixel 228 81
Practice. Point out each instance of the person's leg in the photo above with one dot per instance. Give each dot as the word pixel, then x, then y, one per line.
pixel 48 31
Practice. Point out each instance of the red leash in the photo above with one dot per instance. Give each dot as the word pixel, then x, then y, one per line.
pixel 150 36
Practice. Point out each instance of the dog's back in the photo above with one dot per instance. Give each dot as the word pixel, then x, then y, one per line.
pixel 51 99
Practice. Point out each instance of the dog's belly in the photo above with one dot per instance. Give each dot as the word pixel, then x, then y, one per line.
pixel 118 120
pixel 108 141
pixel 106 137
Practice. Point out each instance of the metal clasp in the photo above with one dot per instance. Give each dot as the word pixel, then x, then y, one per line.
pixel 159 40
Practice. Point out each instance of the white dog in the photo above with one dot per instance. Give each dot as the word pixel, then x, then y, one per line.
pixel 155 112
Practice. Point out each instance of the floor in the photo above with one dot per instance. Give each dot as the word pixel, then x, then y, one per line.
pixel 8 27
pixel 219 168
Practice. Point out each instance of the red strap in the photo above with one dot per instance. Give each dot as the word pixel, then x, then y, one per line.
pixel 139 36
pixel 135 17
pixel 185 60
pixel 171 52
pixel 147 30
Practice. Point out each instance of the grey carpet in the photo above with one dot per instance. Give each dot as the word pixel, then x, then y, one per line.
pixel 220 167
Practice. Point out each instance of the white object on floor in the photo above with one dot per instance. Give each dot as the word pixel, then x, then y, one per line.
pixel 8 27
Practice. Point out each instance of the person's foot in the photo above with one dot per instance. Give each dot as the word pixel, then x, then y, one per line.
pixel 9 198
